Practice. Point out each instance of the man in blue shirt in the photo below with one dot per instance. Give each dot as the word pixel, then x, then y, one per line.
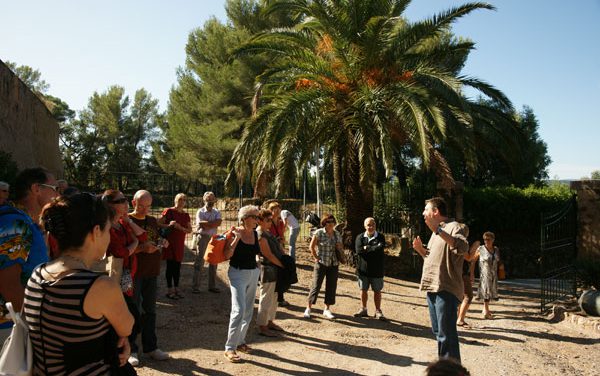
pixel 22 244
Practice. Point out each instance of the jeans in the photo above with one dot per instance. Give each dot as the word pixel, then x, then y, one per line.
pixel 144 295
pixel 443 313
pixel 201 244
pixel 293 236
pixel 243 291
pixel 321 272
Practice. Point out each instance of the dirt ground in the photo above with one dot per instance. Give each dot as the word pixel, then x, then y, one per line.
pixel 517 342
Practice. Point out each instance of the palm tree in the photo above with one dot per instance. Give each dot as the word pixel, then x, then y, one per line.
pixel 357 80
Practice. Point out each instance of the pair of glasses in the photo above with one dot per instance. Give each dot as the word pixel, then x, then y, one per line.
pixel 330 221
pixel 121 200
pixel 53 187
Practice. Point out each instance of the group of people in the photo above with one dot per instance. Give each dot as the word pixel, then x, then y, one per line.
pixel 52 243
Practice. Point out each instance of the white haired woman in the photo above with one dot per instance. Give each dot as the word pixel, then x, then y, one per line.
pixel 243 274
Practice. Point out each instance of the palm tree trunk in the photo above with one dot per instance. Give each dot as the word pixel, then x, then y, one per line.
pixel 359 199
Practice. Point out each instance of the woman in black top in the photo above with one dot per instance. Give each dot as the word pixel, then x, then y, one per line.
pixel 243 278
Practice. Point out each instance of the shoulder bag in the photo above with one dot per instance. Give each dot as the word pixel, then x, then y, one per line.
pixel 17 355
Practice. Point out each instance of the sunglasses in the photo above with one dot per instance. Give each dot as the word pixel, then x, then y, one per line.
pixel 53 187
pixel 252 216
pixel 121 200
pixel 330 221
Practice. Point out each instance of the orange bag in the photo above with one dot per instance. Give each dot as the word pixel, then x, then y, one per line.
pixel 215 250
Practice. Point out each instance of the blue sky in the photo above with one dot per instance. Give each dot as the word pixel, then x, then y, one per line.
pixel 541 53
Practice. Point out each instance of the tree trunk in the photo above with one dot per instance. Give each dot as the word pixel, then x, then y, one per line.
pixel 261 187
pixel 359 199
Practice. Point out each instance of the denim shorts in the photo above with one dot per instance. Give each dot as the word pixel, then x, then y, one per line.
pixel 375 283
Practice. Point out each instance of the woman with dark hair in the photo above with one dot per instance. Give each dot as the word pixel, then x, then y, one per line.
pixel 270 264
pixel 179 225
pixel 125 237
pixel 78 320
pixel 323 247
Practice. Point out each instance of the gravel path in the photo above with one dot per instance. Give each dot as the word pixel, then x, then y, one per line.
pixel 517 342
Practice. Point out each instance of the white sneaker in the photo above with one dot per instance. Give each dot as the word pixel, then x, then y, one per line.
pixel 307 313
pixel 327 313
pixel 158 354
pixel 134 360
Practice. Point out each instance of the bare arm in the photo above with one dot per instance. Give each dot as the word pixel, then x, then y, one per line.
pixel 418 246
pixel 313 248
pixel 266 252
pixel 105 299
pixel 232 243
pixel 10 286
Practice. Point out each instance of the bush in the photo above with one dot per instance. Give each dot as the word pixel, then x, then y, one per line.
pixel 514 216
pixel 588 273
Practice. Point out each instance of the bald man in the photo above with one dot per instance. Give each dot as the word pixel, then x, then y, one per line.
pixel 369 267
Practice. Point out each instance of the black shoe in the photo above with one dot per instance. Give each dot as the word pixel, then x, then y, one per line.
pixel 214 289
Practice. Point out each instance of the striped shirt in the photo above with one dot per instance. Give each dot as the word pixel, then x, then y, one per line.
pixel 65 340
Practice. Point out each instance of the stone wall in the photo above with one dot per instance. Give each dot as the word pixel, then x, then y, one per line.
pixel 27 129
pixel 588 212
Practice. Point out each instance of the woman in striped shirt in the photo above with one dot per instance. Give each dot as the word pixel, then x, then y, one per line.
pixel 78 320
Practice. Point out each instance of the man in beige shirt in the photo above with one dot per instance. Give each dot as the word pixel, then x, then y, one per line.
pixel 442 273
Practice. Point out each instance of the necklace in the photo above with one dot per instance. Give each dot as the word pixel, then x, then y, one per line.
pixel 72 262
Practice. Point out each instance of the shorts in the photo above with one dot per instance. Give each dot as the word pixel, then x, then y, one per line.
pixel 375 283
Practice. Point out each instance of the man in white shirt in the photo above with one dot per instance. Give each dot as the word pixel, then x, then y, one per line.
pixel 208 219
pixel 292 223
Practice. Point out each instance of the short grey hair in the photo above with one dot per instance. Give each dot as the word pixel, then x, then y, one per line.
pixel 207 195
pixel 246 211
pixel 141 193
pixel 4 185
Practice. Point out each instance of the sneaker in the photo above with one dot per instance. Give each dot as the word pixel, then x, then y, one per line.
pixel 134 360
pixel 158 354
pixel 327 313
pixel 361 313
pixel 307 313
pixel 283 303
pixel 379 316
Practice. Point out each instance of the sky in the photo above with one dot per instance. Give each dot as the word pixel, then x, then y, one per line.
pixel 542 53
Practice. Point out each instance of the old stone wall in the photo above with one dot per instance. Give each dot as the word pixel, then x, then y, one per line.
pixel 27 129
pixel 588 226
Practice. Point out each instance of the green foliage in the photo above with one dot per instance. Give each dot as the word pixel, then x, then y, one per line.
pixel 357 80
pixel 111 135
pixel 595 175
pixel 514 216
pixel 31 77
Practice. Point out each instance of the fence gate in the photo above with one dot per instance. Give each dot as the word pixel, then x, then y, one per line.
pixel 558 254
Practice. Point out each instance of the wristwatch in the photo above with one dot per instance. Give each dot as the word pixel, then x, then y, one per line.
pixel 439 229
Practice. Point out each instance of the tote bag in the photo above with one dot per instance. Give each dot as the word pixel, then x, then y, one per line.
pixel 17 355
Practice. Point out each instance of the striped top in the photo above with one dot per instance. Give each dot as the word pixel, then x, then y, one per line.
pixel 65 340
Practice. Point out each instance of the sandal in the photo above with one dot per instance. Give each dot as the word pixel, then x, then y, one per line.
pixel 463 324
pixel 232 356
pixel 244 348
pixel 487 315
